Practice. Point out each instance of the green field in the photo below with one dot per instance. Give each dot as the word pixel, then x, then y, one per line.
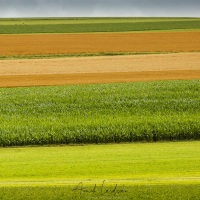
pixel 134 141
pixel 140 171
pixel 104 113
pixel 89 25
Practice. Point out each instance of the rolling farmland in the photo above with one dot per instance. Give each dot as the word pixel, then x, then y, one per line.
pixel 130 83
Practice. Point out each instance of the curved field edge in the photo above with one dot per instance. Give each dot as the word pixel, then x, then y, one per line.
pixel 80 55
pixel 86 55
pixel 78 27
pixel 104 113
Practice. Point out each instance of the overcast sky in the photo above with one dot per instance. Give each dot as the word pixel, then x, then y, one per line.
pixel 99 8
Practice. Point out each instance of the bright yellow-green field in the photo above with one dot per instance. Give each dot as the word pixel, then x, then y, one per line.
pixel 136 168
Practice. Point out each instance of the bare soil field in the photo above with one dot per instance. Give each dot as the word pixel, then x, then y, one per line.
pixel 95 78
pixel 33 72
pixel 44 44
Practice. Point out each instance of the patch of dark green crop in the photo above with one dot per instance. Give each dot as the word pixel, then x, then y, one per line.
pixel 99 27
pixel 104 113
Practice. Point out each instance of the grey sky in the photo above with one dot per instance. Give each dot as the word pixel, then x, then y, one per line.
pixel 90 8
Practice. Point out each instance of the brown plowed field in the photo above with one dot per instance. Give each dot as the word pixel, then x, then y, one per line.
pixel 67 79
pixel 99 69
pixel 43 44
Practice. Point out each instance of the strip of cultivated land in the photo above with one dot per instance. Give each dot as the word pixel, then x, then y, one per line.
pixel 140 171
pixel 130 63
pixel 90 20
pixel 86 25
pixel 100 113
pixel 20 45
pixel 28 72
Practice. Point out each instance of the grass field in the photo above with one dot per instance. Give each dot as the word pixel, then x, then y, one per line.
pixel 86 25
pixel 140 171
pixel 129 112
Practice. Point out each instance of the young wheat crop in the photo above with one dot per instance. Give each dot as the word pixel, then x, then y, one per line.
pixel 104 113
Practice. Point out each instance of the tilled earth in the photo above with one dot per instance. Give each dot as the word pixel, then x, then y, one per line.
pixel 45 44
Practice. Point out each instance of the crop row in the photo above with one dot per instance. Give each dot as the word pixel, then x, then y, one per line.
pixel 105 113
